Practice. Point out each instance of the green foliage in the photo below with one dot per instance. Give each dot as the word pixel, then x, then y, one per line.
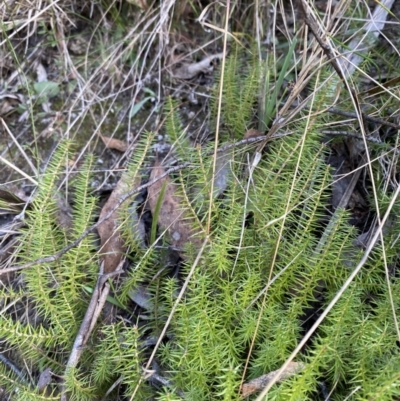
pixel 271 264
pixel 239 95
pixel 54 293
pixel 174 129
pixel 269 98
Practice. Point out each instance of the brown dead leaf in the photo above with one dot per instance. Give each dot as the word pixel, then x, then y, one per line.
pixel 112 245
pixel 261 382
pixel 64 213
pixel 252 133
pixel 172 216
pixel 189 71
pixel 45 379
pixel 223 172
pixel 9 102
pixel 113 143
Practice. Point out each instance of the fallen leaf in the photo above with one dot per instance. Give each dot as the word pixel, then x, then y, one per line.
pixel 252 133
pixel 41 73
pixel 222 172
pixel 9 102
pixel 261 382
pixel 11 202
pixel 188 71
pixel 45 379
pixel 113 143
pixel 112 244
pixel 142 297
pixel 64 213
pixel 172 215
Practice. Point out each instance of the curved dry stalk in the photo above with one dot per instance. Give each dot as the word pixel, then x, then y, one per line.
pixel 93 311
pixel 344 72
pixel 339 294
pixel 171 314
pixel 218 118
pixel 124 198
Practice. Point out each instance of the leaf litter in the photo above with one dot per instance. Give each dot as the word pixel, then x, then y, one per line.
pixel 114 143
pixel 172 216
pixel 112 246
pixel 164 201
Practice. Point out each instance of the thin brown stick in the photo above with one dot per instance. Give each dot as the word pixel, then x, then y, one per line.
pixel 171 314
pixel 74 244
pixel 335 299
pixel 92 314
pixel 365 116
pixel 352 135
pixel 324 46
pixel 350 114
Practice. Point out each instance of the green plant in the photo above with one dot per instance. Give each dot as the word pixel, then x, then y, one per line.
pixel 275 259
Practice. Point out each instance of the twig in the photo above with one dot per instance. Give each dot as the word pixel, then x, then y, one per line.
pixel 247 141
pixel 251 141
pixel 260 382
pixel 74 244
pixel 365 116
pixel 355 116
pixel 171 314
pixel 14 368
pixel 324 46
pixel 92 314
pixel 352 135
pixel 395 150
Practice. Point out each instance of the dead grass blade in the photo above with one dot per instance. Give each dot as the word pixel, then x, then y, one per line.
pixel 113 250
pixel 323 315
